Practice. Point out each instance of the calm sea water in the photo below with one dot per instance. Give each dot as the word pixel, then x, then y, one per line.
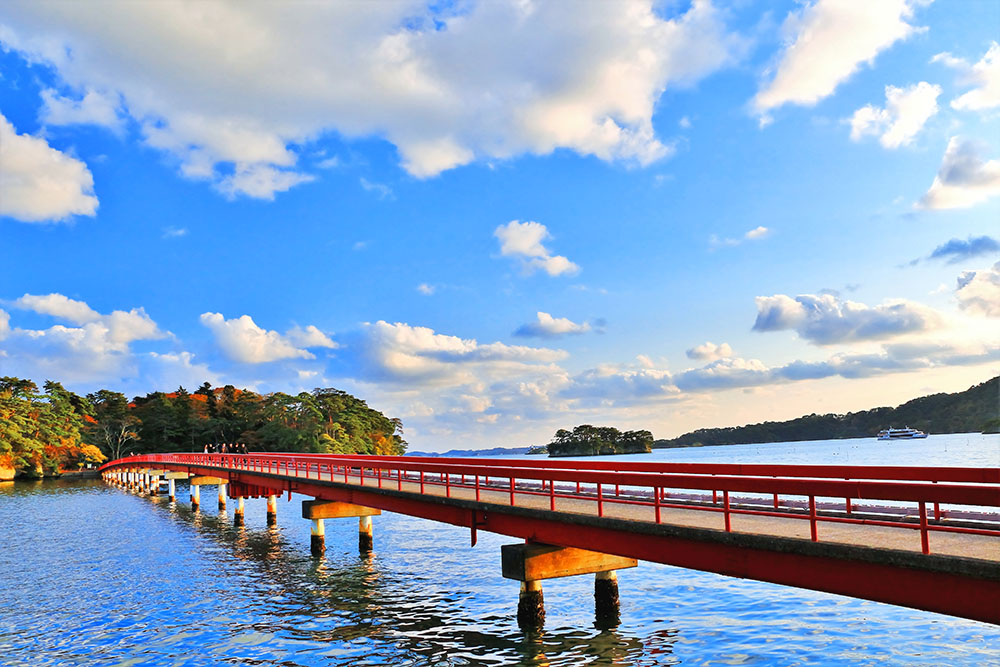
pixel 96 576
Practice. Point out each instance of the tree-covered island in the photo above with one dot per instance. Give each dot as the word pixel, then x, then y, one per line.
pixel 52 431
pixel 587 440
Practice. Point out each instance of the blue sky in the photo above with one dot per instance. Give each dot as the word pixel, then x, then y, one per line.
pixel 494 220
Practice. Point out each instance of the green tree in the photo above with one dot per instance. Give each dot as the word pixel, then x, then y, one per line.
pixel 115 425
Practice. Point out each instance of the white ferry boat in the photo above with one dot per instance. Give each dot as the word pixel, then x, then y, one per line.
pixel 900 434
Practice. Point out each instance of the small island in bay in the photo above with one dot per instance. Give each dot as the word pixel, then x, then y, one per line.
pixel 587 440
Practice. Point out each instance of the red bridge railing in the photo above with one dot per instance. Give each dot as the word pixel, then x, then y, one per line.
pixel 704 487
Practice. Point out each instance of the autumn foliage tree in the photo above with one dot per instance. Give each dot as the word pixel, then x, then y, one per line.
pixel 43 433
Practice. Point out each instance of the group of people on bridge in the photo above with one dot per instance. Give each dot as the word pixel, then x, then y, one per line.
pixel 224 448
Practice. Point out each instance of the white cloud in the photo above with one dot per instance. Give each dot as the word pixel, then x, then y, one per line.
pixel 4 324
pixel 174 232
pixel 979 291
pixel 381 189
pixel 724 374
pixel 445 84
pixel 710 351
pixel 242 340
pixel 610 385
pixel 310 336
pixel 99 348
pixel 825 319
pixel 169 370
pixel 547 326
pixel 984 76
pixel 906 110
pixel 260 181
pixel 39 183
pixel 755 234
pixel 94 108
pixel 59 306
pixel 964 179
pixel 425 289
pixel 523 241
pixel 418 355
pixel 828 41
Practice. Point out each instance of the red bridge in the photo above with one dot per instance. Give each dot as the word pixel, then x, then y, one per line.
pixel 927 538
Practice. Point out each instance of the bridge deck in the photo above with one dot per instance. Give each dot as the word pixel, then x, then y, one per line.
pixel 985 547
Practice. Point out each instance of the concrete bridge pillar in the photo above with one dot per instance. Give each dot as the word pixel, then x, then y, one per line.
pixel 317 538
pixel 238 514
pixel 272 510
pixel 318 510
pixel 366 538
pixel 199 481
pixel 172 478
pixel 222 496
pixel 530 563
pixel 531 606
pixel 607 612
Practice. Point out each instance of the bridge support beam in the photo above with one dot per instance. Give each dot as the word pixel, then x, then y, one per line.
pixel 317 510
pixel 195 496
pixel 172 490
pixel 238 514
pixel 272 510
pixel 530 563
pixel 222 496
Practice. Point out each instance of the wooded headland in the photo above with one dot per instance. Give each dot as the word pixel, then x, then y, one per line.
pixel 976 409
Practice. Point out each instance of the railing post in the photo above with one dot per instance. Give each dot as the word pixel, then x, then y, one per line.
pixel 656 502
pixel 812 519
pixel 511 491
pixel 421 481
pixel 477 487
pixel 937 507
pixel 776 501
pixel 378 473
pixel 552 494
pixel 447 485
pixel 725 510
pixel 600 500
pixel 847 501
pixel 399 479
pixel 924 541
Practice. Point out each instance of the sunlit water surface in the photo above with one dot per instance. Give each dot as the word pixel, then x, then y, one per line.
pixel 96 576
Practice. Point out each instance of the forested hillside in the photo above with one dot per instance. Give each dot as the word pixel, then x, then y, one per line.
pixel 973 410
pixel 56 430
